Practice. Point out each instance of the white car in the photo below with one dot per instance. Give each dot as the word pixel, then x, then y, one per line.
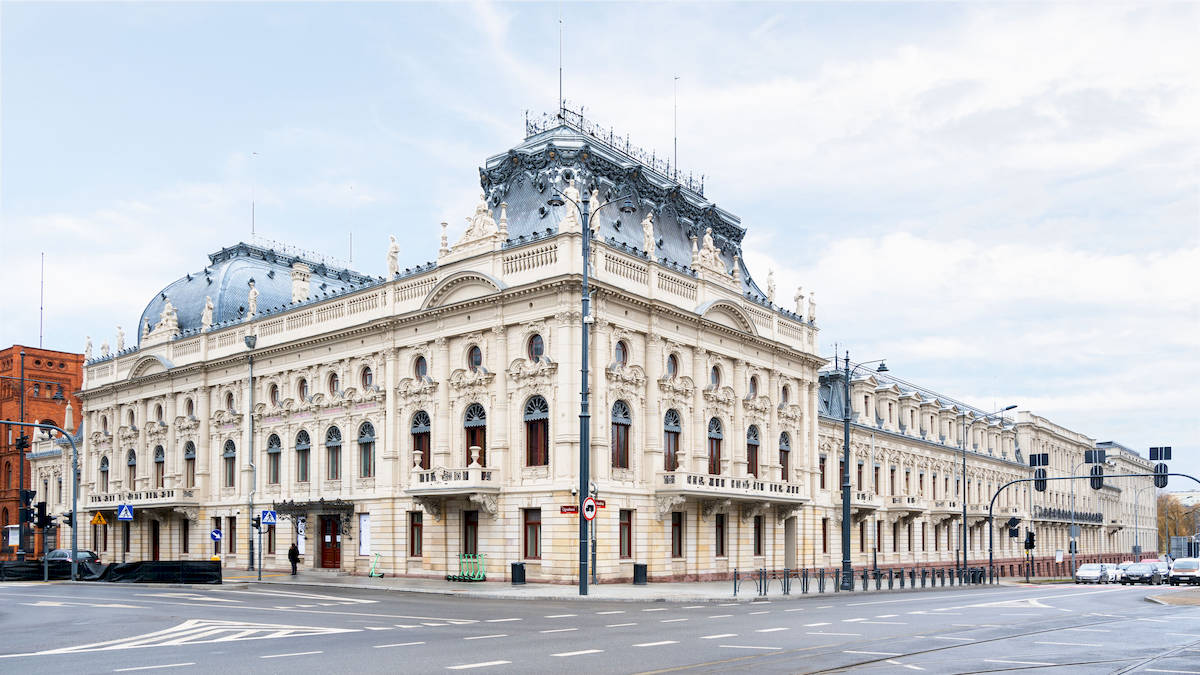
pixel 1111 572
pixel 1091 573
pixel 1185 571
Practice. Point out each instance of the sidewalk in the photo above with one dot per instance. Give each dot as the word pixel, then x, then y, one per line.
pixel 684 592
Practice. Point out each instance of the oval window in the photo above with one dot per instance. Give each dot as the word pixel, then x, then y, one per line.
pixel 754 385
pixel 715 376
pixel 474 358
pixel 672 366
pixel 621 354
pixel 536 347
pixel 274 393
pixel 368 378
pixel 420 367
pixel 302 388
pixel 333 383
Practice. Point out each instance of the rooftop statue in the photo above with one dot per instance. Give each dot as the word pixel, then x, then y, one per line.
pixel 206 317
pixel 710 255
pixel 252 301
pixel 648 235
pixel 87 349
pixel 480 225
pixel 812 306
pixel 168 319
pixel 104 350
pixel 146 329
pixel 570 221
pixel 770 285
pixel 393 257
pixel 120 339
pixel 799 298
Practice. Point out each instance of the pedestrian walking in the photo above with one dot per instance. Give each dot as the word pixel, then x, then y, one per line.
pixel 294 557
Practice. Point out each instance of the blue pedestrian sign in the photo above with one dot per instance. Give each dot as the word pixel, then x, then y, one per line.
pixel 269 518
pixel 215 534
pixel 124 512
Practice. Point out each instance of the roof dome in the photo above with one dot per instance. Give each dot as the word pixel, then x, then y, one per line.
pixel 226 280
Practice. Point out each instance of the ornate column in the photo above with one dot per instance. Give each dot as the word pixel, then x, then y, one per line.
pixel 773 430
pixel 499 442
pixel 652 433
pixel 736 436
pixel 443 426
pixel 696 435
pixel 174 461
pixel 601 407
pixel 203 438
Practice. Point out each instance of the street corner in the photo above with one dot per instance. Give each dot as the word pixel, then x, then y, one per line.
pixel 1186 597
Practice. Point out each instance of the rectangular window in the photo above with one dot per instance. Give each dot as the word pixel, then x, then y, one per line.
pixel 676 534
pixel 891 480
pixel 620 446
pixel 470 532
pixel 895 537
pixel 821 470
pixel 421 444
pixel 302 466
pixel 875 478
pixel 414 533
pixel 759 535
pixel 477 436
pixel 714 456
pixel 189 472
pixel 924 541
pixel 907 482
pixel 273 468
pixel 878 536
pixel 910 536
pixel 160 474
pixel 271 539
pixel 720 535
pixel 231 534
pixel 937 537
pixel 752 460
pixel 860 476
pixel 230 471
pixel 670 450
pixel 364 534
pixel 366 459
pixel 334 466
pixel 536 439
pixel 185 535
pixel 824 535
pixel 921 484
pixel 625 534
pixel 533 534
pixel 785 464
pixel 216 525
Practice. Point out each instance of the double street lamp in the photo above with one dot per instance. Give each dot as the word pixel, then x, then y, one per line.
pixel 847 582
pixel 626 206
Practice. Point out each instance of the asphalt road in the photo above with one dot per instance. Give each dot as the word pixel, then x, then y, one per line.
pixel 94 628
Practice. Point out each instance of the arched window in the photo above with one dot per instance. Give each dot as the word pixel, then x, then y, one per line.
pixel 274 450
pixel 367 378
pixel 672 427
pixel 753 386
pixel 714 446
pixel 303 448
pixel 784 395
pixel 333 454
pixel 189 464
pixel 474 358
pixel 785 456
pixel 621 421
pixel 537 432
pixel 104 474
pixel 4 518
pixel 131 419
pixel 158 413
pixel 229 401
pixel 160 467
pixel 420 367
pixel 104 423
pixel 229 462
pixel 475 426
pixel 37 390
pixel 672 366
pixel 189 407
pixel 366 450
pixel 273 393
pixel 131 473
pixel 714 377
pixel 302 389
pixel 8 475
pixel 752 451
pixel 421 429
pixel 621 353
pixel 334 383
pixel 536 347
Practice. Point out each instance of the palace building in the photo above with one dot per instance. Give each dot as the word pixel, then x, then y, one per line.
pixel 435 412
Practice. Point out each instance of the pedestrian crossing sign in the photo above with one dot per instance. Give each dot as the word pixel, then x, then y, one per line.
pixel 124 512
pixel 269 518
pixel 98 519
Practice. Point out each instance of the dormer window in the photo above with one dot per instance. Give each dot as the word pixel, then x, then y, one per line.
pixel 889 412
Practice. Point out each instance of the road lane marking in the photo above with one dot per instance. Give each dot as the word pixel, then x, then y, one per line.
pixel 750 647
pixel 558 616
pixel 794 609
pixel 423 623
pixel 762 612
pixel 655 609
pixel 885 616
pixel 727 604
pixel 620 625
pixel 719 635
pixel 399 644
pixel 694 607
pixel 485 637
pixel 503 620
pixel 657 644
pixel 558 630
pixel 613 611
pixel 485 664
pixel 850 651
pixel 672 620
pixel 824 606
pixel 579 653
pixel 165 665
pixel 910 667
pixel 852 620
pixel 1068 644
pixel 770 630
pixel 1020 663
pixel 819 623
pixel 720 616
pixel 378 627
pixel 1184 634
pixel 280 656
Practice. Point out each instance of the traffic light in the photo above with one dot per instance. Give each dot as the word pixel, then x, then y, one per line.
pixel 1029 540
pixel 1013 522
pixel 1014 532
pixel 1097 479
pixel 27 515
pixel 1039 480
pixel 41 515
pixel 22 442
pixel 1162 454
pixel 257 522
pixel 27 497
pixel 68 519
pixel 1160 475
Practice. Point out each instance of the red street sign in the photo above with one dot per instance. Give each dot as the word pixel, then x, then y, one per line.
pixel 600 503
pixel 589 508
pixel 573 508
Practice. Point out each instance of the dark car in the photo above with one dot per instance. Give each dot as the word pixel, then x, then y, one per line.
pixel 81 555
pixel 1141 573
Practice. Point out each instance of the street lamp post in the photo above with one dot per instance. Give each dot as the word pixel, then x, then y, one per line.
pixel 847 582
pixel 559 199
pixel 962 533
pixel 251 340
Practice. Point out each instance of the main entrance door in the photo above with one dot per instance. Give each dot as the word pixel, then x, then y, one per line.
pixel 331 542
pixel 154 540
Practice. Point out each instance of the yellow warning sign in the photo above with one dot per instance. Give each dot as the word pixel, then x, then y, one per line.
pixel 98 519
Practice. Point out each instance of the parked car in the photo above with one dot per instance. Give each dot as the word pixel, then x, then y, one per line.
pixel 1185 571
pixel 1141 573
pixel 81 555
pixel 1122 567
pixel 1164 570
pixel 1091 573
pixel 1111 572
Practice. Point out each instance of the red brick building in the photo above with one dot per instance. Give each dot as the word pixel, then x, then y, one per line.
pixel 51 379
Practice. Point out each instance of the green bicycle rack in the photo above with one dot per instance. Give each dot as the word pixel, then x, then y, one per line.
pixel 471 567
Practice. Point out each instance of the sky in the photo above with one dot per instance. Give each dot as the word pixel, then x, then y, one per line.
pixel 999 199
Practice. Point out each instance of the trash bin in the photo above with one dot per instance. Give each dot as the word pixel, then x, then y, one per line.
pixel 518 574
pixel 639 574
